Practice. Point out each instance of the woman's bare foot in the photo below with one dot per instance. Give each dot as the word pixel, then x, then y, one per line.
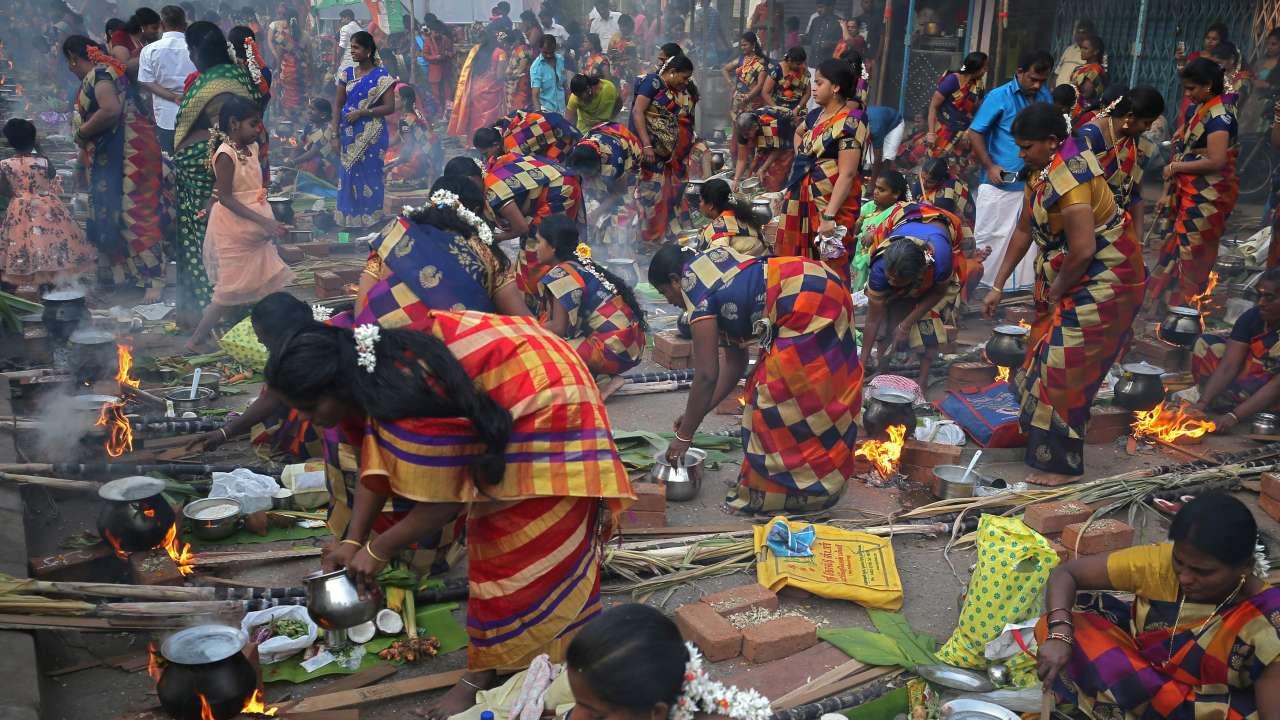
pixel 152 296
pixel 1050 479
pixel 461 696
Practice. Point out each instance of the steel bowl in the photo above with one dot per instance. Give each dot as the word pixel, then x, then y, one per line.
pixel 182 401
pixel 1140 387
pixel 1007 346
pixel 952 482
pixel 211 379
pixel 1181 326
pixel 683 481
pixel 213 518
pixel 1265 423
pixel 335 603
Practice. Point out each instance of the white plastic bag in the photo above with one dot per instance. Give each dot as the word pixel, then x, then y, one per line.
pixel 254 491
pixel 277 648
pixel 1006 646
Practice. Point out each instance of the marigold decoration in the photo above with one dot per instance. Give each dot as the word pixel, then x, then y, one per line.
pixel 96 55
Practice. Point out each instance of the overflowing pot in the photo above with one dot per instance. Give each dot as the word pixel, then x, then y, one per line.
pixel 205 669
pixel 1181 326
pixel 134 514
pixel 1140 387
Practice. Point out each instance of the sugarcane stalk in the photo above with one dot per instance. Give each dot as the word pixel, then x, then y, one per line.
pixel 50 482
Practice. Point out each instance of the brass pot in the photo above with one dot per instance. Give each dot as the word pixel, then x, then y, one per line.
pixel 1140 387
pixel 1007 346
pixel 1181 326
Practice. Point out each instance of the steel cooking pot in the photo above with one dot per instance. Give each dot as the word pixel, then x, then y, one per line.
pixel 134 513
pixel 1181 326
pixel 1140 387
pixel 1007 346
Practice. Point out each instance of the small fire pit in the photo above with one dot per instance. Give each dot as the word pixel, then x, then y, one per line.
pixel 206 676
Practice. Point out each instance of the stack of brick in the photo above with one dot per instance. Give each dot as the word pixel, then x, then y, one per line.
pixel 649 509
pixel 328 285
pixel 315 248
pixel 969 375
pixel 1169 358
pixel 672 351
pixel 1269 498
pixel 1107 424
pixel 1065 523
pixel 291 254
pixel 708 624
pixel 919 458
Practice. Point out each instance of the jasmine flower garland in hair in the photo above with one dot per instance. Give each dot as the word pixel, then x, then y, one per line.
pixel 583 254
pixel 446 199
pixel 366 341
pixel 320 313
pixel 701 694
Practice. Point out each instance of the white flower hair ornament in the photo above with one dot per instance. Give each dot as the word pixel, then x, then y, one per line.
pixel 446 199
pixel 320 313
pixel 366 341
pixel 701 694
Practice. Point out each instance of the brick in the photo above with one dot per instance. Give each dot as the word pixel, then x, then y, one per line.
pixel 1108 424
pixel 921 476
pixel 1100 537
pixel 930 454
pixel 328 285
pixel 291 254
pixel 153 567
pixel 779 677
pixel 315 249
pixel 634 519
pixel 670 342
pixel 1271 485
pixel 1270 506
pixel 1064 553
pixel 1048 518
pixel 1168 357
pixel 963 376
pixel 650 497
pixel 1052 481
pixel 348 275
pixel 71 565
pixel 662 358
pixel 700 624
pixel 778 638
pixel 743 597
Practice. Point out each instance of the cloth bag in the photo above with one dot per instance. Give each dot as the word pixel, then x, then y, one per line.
pixel 844 565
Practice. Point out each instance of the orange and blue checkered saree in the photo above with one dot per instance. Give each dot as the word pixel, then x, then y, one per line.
pixel 1073 344
pixel 1260 365
pixel 539 188
pixel 1166 657
pixel 814 174
pixel 602 327
pixel 772 157
pixel 798 433
pixel 660 189
pixel 544 135
pixel 1201 206
pixel 961 98
pixel 748 72
pixel 727 230
pixel 534 540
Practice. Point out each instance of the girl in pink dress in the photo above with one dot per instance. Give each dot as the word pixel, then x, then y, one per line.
pixel 239 253
pixel 40 243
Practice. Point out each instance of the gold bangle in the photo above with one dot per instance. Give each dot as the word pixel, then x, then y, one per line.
pixel 349 541
pixel 1060 636
pixel 369 549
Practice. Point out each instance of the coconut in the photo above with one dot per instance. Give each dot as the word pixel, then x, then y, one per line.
pixel 389 622
pixel 362 633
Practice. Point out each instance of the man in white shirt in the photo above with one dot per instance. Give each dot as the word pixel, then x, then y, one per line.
pixel 163 68
pixel 551 27
pixel 349 27
pixel 603 22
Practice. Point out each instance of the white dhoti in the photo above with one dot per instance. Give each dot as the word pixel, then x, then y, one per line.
pixel 996 215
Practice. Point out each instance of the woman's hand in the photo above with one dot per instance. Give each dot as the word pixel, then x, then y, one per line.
pixel 676 451
pixel 931 137
pixel 355 115
pixel 900 334
pixel 827 228
pixel 337 554
pixel 991 302
pixel 1051 659
pixel 1168 171
pixel 1226 421
pixel 274 227
pixel 207 442
pixel 364 568
pixel 647 155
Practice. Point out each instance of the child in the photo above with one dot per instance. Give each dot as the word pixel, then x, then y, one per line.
pixel 317 156
pixel 239 254
pixel 890 189
pixel 40 243
pixel 416 154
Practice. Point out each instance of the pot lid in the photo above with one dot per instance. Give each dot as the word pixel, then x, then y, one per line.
pixel 971 709
pixel 1183 310
pixel 955 678
pixel 891 396
pixel 63 295
pixel 91 336
pixel 1142 368
pixel 1011 330
pixel 203 644
pixel 131 488
pixel 93 402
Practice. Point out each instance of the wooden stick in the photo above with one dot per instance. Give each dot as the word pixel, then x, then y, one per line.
pixel 839 672
pixel 400 688
pixel 171 609
pixel 234 558
pixel 54 622
pixel 1189 453
pixel 112 590
pixel 685 530
pixel 1046 705
pixel 55 483
pixel 814 693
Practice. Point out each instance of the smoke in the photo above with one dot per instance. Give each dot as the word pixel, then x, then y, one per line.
pixel 65 420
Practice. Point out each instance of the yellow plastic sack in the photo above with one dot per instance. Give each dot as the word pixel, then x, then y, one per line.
pixel 242 344
pixel 845 565
pixel 1014 562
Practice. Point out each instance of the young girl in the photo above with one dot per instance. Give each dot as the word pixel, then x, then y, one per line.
pixel 317 156
pixel 239 254
pixel 40 243
pixel 416 153
pixel 586 304
pixel 890 189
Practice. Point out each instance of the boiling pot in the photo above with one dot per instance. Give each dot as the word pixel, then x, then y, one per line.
pixel 885 408
pixel 281 208
pixel 205 660
pixel 1181 326
pixel 135 513
pixel 1140 387
pixel 1007 346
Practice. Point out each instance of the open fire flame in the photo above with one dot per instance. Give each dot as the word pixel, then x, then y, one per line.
pixel 179 553
pixel 1161 423
pixel 1002 373
pixel 256 706
pixel 1198 301
pixel 115 544
pixel 884 455
pixel 124 359
pixel 154 664
pixel 206 711
pixel 1024 324
pixel 119 429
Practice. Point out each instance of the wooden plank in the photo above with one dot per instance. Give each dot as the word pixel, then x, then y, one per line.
pixel 400 688
pixel 686 530
pixel 204 560
pixel 348 714
pixel 363 678
pixel 813 693
pixel 834 674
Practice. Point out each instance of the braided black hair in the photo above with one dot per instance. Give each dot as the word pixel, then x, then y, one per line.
pixel 561 233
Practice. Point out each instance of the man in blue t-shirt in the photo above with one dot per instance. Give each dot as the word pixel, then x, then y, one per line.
pixel 886 128
pixel 998 199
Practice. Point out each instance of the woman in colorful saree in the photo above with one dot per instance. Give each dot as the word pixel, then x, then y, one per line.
pixel 217 78
pixel 1089 285
pixel 485 413
pixel 936 183
pixel 786 85
pixel 1115 136
pixel 914 278
pixel 520 56
pixel 586 304
pixel 114 128
pixel 440 256
pixel 1238 374
pixel 1090 78
pixel 732 221
pixel 362 128
pixel 479 99
pixel 953 105
pixel 520 192
pixel 606 159
pixel 662 119
pixel 763 146
pixel 798 431
pixel 1199 640
pixel 592 59
pixel 747 75
pixel 284 38
pixel 826 185
pixel 1202 187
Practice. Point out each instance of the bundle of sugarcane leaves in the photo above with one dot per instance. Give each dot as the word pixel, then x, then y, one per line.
pixel 638 447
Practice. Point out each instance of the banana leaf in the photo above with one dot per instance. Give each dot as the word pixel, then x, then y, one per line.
pixel 895 644
pixel 636 448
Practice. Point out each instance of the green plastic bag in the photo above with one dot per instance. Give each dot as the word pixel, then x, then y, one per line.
pixel 1014 562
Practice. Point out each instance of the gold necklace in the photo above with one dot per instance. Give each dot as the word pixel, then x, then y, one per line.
pixel 1196 632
